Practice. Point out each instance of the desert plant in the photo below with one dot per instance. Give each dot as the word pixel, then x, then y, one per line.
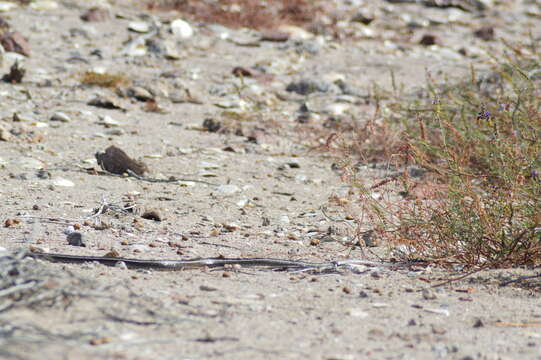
pixel 480 144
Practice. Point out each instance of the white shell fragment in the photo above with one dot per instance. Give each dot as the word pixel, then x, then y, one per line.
pixel 62 182
pixel 228 189
pixel 139 26
pixel 43 5
pixel 60 116
pixel 7 6
pixel 181 29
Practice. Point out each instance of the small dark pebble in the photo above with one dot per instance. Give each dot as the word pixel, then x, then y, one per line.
pixel 152 215
pixel 294 165
pixel 274 35
pixel 105 103
pixel 486 33
pixel 363 294
pixel 428 40
pixel 207 288
pixel 307 86
pixel 212 125
pixel 43 174
pixel 363 17
pixel 76 239
pixel 15 75
pixel 95 14
pixel 478 323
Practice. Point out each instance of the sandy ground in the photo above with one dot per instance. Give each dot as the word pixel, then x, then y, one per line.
pixel 267 188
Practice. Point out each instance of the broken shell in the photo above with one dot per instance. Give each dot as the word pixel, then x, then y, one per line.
pixel 108 121
pixel 228 189
pixel 139 26
pixel 43 5
pixel 7 6
pixel 60 116
pixel 181 29
pixel 62 182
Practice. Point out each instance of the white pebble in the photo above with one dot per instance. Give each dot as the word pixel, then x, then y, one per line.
pixel 62 182
pixel 228 189
pixel 60 116
pixel 181 29
pixel 139 26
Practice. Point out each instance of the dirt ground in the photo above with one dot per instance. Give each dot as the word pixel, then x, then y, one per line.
pixel 264 192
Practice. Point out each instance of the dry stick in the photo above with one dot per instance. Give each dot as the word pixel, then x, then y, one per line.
pixel 219 245
pixel 505 283
pixel 459 278
pixel 153 180
pixel 58 220
pixel 173 265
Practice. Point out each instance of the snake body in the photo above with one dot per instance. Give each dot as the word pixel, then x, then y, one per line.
pixel 173 265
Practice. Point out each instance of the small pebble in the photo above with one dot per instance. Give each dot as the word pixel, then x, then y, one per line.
pixel 227 189
pixel 60 116
pixel 139 26
pixel 207 288
pixel 152 214
pixel 181 29
pixel 428 295
pixel 121 265
pixel 75 238
pixel 478 323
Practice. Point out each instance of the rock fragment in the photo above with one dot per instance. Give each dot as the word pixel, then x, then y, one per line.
pixel 139 27
pixel 274 35
pixel 105 103
pixel 15 42
pixel 5 135
pixel 95 14
pixel 428 40
pixel 116 161
pixel 75 238
pixel 15 75
pixel 486 33
pixel 307 86
pixel 60 116
pixel 152 214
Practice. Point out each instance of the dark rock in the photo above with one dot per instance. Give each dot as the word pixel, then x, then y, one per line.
pixel 486 33
pixel 15 42
pixel 152 214
pixel 428 40
pixel 478 324
pixel 95 14
pixel 274 35
pixel 15 75
pixel 363 17
pixel 212 125
pixel 75 238
pixel 43 174
pixel 105 103
pixel 116 161
pixel 308 86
